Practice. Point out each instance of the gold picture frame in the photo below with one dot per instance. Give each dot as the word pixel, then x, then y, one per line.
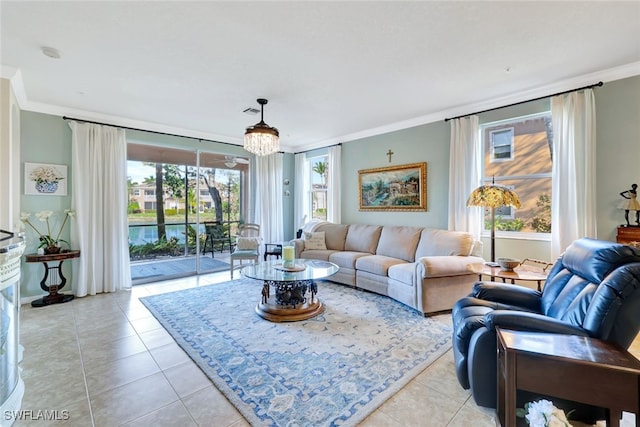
pixel 394 188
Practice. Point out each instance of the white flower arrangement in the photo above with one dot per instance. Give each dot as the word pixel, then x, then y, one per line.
pixel 543 413
pixel 45 174
pixel 47 239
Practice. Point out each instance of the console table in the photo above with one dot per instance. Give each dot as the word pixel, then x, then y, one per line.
pixel 571 367
pixel 54 283
pixel 628 235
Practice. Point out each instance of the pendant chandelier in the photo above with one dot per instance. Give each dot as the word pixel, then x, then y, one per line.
pixel 261 139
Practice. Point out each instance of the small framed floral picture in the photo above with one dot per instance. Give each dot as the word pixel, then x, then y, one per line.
pixel 45 179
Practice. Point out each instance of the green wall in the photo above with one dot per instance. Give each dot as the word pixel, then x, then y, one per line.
pixel 427 143
pixel 44 139
pixel 618 165
pixel 47 139
pixel 618 149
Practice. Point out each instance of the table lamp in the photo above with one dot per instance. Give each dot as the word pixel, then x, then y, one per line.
pixel 493 196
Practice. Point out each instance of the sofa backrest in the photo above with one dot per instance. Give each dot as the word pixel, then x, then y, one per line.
pixel 399 242
pixel 434 242
pixel 596 285
pixel 334 235
pixel 362 238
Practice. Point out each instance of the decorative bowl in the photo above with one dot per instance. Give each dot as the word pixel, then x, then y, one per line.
pixel 508 264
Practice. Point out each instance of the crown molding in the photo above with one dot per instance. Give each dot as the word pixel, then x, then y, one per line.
pixel 119 121
pixel 609 75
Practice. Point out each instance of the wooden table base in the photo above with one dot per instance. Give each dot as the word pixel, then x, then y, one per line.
pixel 276 313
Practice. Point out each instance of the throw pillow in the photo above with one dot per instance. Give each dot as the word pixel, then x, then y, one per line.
pixel 314 241
pixel 247 243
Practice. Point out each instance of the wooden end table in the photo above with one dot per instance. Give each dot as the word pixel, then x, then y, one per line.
pixel 580 369
pixel 523 272
pixel 54 283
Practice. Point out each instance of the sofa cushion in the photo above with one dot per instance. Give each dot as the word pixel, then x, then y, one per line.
pixel 435 242
pixel 377 264
pixel 346 259
pixel 362 238
pixel 317 254
pixel 314 241
pixel 403 273
pixel 334 235
pixel 399 242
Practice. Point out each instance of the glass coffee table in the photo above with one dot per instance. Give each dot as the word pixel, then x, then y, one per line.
pixel 294 296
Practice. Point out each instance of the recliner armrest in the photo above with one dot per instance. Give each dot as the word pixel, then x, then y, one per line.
pixel 512 295
pixel 533 322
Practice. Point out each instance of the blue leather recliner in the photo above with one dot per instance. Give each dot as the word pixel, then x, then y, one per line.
pixel 592 290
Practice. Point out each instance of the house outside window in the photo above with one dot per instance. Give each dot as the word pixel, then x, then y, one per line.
pixel 319 169
pixel 518 155
pixel 501 144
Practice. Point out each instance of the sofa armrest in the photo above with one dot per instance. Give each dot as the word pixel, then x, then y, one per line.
pixel 532 322
pixel 512 295
pixel 444 266
pixel 299 246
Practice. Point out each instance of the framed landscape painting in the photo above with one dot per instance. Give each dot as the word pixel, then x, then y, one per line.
pixel 394 188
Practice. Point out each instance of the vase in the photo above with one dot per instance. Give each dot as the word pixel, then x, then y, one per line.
pixel 47 187
pixel 52 249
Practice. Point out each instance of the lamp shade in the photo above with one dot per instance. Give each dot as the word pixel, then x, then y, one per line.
pixel 493 196
pixel 261 139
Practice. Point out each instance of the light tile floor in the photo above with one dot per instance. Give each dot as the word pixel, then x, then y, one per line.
pixel 108 362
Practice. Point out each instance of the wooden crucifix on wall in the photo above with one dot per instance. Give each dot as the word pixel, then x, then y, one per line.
pixel 390 153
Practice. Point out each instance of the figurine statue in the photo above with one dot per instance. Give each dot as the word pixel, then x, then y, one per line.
pixel 631 204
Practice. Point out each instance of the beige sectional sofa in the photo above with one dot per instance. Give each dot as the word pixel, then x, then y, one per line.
pixel 420 267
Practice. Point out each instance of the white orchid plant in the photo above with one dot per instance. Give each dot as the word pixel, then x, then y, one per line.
pixel 47 239
pixel 543 413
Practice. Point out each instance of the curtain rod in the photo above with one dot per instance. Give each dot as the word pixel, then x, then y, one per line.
pixel 146 130
pixel 319 148
pixel 524 102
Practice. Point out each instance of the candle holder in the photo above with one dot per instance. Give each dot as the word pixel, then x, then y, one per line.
pixel 288 256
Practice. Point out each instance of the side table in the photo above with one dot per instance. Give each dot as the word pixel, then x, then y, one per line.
pixel 522 272
pixel 629 235
pixel 580 369
pixel 52 284
pixel 274 249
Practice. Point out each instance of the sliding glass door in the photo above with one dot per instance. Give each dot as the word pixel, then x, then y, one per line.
pixel 183 210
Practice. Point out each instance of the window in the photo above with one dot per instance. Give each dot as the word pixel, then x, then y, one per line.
pixel 319 172
pixel 501 144
pixel 528 173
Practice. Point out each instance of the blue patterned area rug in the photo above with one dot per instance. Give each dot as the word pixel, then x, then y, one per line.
pixel 334 369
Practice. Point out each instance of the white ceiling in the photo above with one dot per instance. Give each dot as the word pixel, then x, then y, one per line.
pixel 332 71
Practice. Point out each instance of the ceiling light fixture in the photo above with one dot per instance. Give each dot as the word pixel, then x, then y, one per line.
pixel 261 139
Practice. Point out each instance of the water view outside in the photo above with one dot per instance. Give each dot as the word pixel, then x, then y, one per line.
pixel 171 203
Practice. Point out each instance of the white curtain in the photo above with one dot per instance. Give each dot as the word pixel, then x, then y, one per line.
pixel 301 212
pixel 99 197
pixel 573 204
pixel 333 184
pixel 465 175
pixel 269 188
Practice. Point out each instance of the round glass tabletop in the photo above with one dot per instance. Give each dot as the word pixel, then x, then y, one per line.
pixel 271 270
